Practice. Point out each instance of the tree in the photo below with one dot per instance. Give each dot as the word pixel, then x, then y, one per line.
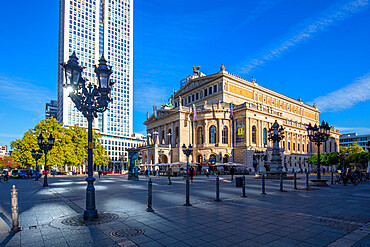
pixel 70 145
pixel 7 162
pixel 347 152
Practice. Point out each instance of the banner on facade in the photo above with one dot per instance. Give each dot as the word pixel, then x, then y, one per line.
pixel 240 131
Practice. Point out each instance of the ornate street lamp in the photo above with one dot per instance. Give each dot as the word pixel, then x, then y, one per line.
pixel 318 135
pixel 276 134
pixel 187 151
pixel 36 155
pixel 46 147
pixel 89 100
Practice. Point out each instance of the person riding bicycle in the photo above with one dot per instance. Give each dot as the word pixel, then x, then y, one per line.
pixel 349 176
pixel 6 175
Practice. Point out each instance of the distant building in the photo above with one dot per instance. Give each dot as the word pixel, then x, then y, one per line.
pixel 350 138
pixel 51 109
pixel 3 150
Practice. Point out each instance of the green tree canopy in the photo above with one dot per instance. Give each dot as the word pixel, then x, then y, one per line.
pixel 70 145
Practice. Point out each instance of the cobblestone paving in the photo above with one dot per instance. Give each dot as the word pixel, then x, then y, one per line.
pixel 330 216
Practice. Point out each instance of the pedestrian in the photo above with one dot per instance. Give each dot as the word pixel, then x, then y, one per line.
pixel 99 173
pixel 348 175
pixel 232 172
pixel 207 173
pixel 6 176
pixel 191 173
pixel 157 173
pixel 169 174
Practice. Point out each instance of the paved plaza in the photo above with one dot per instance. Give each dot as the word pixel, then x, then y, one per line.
pixel 332 216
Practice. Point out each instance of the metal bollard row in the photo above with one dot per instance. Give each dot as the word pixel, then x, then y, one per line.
pixel 295 181
pixel 243 187
pixel 263 184
pixel 150 196
pixel 281 181
pixel 14 205
pixel 217 189
pixel 307 181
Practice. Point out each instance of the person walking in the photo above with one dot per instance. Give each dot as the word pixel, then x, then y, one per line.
pixel 99 173
pixel 157 173
pixel 349 176
pixel 207 173
pixel 232 172
pixel 191 173
pixel 169 174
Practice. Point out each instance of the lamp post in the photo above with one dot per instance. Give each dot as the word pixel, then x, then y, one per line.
pixel 36 155
pixel 89 99
pixel 276 134
pixel 46 147
pixel 187 151
pixel 318 135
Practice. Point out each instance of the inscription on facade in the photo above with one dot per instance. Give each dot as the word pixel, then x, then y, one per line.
pixel 240 91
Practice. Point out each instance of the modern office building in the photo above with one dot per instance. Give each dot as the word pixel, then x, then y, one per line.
pixel 3 150
pixel 95 28
pixel 226 119
pixel 350 138
pixel 51 109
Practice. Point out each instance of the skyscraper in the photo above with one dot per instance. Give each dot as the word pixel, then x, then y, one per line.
pixel 93 28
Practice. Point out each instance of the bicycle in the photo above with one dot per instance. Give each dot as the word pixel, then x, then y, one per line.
pixel 2 179
pixel 338 179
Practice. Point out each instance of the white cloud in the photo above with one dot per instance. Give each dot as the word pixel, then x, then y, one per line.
pixel 24 94
pixel 261 7
pixel 146 93
pixel 328 18
pixel 346 97
pixel 359 130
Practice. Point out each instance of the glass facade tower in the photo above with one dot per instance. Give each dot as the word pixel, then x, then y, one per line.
pixel 93 28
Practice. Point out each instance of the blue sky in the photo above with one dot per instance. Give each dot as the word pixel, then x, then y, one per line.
pixel 313 49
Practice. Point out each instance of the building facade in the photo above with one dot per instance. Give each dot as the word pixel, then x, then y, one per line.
pixel 95 28
pixel 3 150
pixel 226 119
pixel 51 109
pixel 351 138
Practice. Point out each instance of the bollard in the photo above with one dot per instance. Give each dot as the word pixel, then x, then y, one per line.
pixel 150 195
pixel 332 177
pixel 243 186
pixel 281 181
pixel 307 185
pixel 295 181
pixel 263 184
pixel 14 205
pixel 217 189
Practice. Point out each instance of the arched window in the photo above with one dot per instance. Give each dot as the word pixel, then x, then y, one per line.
pixel 200 135
pixel 177 135
pixel 254 134
pixel 264 136
pixel 212 134
pixel 163 137
pixel 225 134
pixel 212 158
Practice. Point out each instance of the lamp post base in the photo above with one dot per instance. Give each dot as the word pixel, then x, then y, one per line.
pixel 45 182
pixel 90 215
